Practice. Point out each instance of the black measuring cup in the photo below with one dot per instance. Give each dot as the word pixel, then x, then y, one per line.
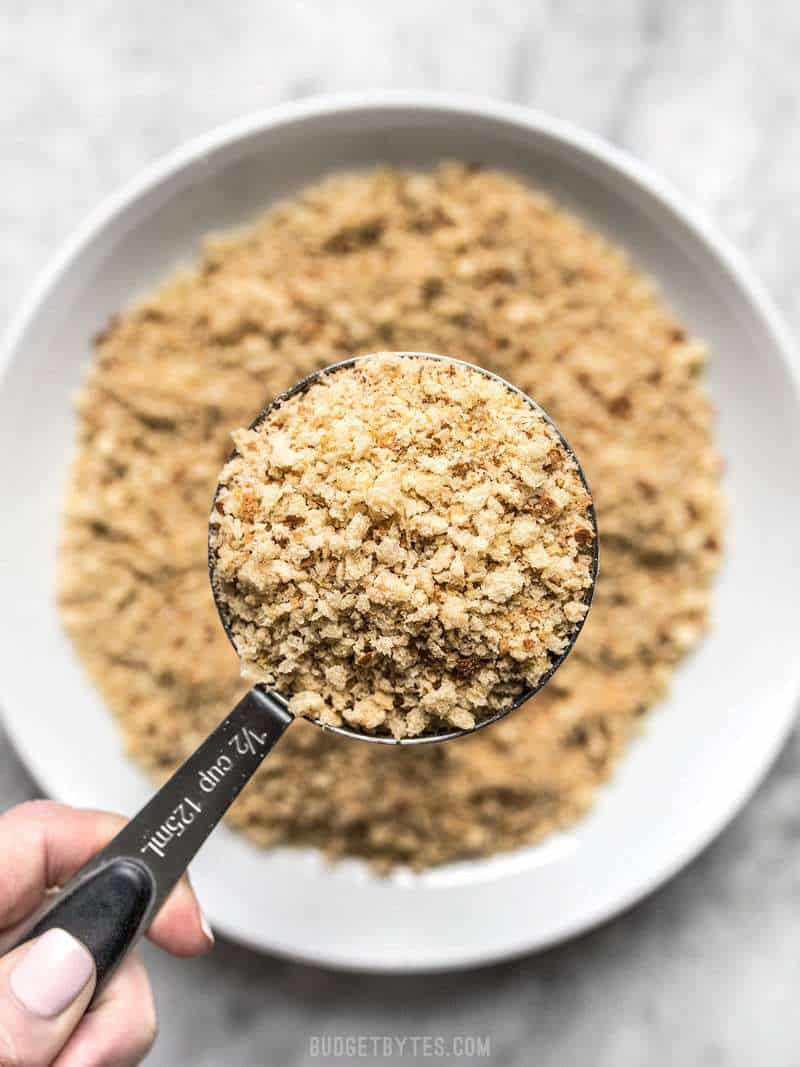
pixel 111 901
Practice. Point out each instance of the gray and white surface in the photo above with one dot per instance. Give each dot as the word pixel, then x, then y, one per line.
pixel 705 971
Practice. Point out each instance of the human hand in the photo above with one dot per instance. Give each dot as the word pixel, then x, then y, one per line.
pixel 46 985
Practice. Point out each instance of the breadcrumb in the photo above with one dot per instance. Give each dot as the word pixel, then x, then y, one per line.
pixel 470 262
pixel 367 482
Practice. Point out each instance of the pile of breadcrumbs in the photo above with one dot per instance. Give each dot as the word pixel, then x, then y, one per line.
pixel 403 547
pixel 471 263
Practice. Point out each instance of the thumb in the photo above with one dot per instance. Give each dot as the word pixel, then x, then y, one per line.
pixel 45 987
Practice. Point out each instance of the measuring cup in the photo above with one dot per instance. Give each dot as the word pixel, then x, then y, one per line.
pixel 111 901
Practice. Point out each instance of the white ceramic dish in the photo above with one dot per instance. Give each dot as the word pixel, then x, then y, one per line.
pixel 732 703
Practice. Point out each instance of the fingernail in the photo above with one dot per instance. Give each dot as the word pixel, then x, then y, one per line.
pixel 205 926
pixel 51 974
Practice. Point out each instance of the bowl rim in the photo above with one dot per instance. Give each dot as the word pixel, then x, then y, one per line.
pixel 561 132
pixel 189 152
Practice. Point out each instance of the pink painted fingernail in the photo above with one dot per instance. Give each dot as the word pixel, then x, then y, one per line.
pixel 51 974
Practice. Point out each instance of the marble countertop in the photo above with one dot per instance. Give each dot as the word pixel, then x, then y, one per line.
pixel 706 970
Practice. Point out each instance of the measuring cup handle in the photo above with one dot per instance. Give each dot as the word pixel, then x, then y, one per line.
pixel 110 903
pixel 104 911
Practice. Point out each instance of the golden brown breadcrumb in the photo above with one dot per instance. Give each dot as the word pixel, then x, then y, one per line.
pixel 473 263
pixel 403 547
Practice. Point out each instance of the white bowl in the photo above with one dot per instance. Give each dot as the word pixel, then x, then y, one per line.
pixel 732 703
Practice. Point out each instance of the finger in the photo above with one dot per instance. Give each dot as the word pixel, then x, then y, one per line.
pixel 180 926
pixel 121 1026
pixel 44 844
pixel 45 987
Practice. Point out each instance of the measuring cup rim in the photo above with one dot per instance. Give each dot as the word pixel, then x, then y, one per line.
pixel 449 735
